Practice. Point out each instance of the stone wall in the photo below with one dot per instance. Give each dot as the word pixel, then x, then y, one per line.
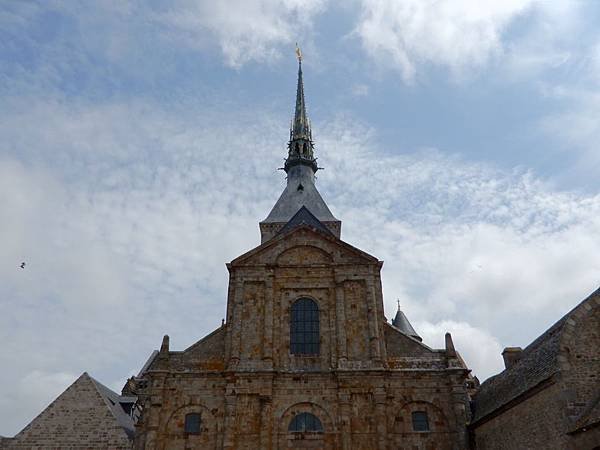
pixel 359 411
pixel 363 398
pixel 537 423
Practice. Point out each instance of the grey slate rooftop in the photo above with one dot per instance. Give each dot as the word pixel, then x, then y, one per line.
pixel 118 405
pixel 538 362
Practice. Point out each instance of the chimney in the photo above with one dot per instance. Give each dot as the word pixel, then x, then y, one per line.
pixel 511 356
pixel 450 351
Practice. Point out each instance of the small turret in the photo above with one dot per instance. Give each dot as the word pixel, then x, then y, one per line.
pixel 402 323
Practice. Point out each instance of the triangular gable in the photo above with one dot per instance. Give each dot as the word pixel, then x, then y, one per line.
pixel 304 217
pixel 316 232
pixel 211 345
pixel 400 344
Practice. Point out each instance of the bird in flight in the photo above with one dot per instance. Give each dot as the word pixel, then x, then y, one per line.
pixel 22 265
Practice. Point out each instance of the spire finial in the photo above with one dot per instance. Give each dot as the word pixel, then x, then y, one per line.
pixel 398 300
pixel 298 53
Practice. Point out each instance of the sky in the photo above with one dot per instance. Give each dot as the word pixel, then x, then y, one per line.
pixel 140 141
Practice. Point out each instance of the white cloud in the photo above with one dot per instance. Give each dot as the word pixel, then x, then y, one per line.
pixel 575 128
pixel 246 30
pixel 458 35
pixel 477 347
pixel 462 241
pixel 126 213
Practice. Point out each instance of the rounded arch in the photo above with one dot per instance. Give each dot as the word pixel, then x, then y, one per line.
pixel 187 409
pixel 402 421
pixel 174 428
pixel 305 422
pixel 306 407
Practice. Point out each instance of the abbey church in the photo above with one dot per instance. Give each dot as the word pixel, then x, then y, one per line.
pixel 306 359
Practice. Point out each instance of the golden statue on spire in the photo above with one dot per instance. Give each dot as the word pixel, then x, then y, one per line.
pixel 298 53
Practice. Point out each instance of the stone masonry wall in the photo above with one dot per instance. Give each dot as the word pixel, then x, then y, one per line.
pixel 363 398
pixel 359 411
pixel 536 423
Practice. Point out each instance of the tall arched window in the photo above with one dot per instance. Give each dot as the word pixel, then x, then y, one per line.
pixel 305 422
pixel 304 327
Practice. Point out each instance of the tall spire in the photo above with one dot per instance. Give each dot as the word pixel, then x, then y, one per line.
pixel 301 147
pixel 300 202
pixel 301 126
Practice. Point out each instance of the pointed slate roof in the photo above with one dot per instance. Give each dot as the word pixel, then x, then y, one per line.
pixel 299 192
pixel 300 167
pixel 401 322
pixel 304 217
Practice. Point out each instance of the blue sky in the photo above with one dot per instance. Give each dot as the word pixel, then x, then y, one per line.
pixel 139 147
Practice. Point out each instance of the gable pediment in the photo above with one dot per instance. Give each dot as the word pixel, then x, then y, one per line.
pixel 304 245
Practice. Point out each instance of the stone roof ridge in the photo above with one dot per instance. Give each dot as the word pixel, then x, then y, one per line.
pixel 113 402
pixel 557 326
pixel 148 363
pixel 304 217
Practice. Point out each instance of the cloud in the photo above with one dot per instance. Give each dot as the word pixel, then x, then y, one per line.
pixel 245 30
pixel 127 211
pixel 478 347
pixel 464 241
pixel 455 35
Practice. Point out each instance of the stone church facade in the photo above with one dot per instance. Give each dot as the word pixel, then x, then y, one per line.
pixel 305 358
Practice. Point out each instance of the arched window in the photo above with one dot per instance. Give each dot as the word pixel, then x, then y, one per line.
pixel 304 327
pixel 193 423
pixel 304 149
pixel 305 422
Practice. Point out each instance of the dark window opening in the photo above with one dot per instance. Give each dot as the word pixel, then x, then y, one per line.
pixel 304 327
pixel 304 149
pixel 127 407
pixel 193 422
pixel 300 187
pixel 420 421
pixel 305 422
